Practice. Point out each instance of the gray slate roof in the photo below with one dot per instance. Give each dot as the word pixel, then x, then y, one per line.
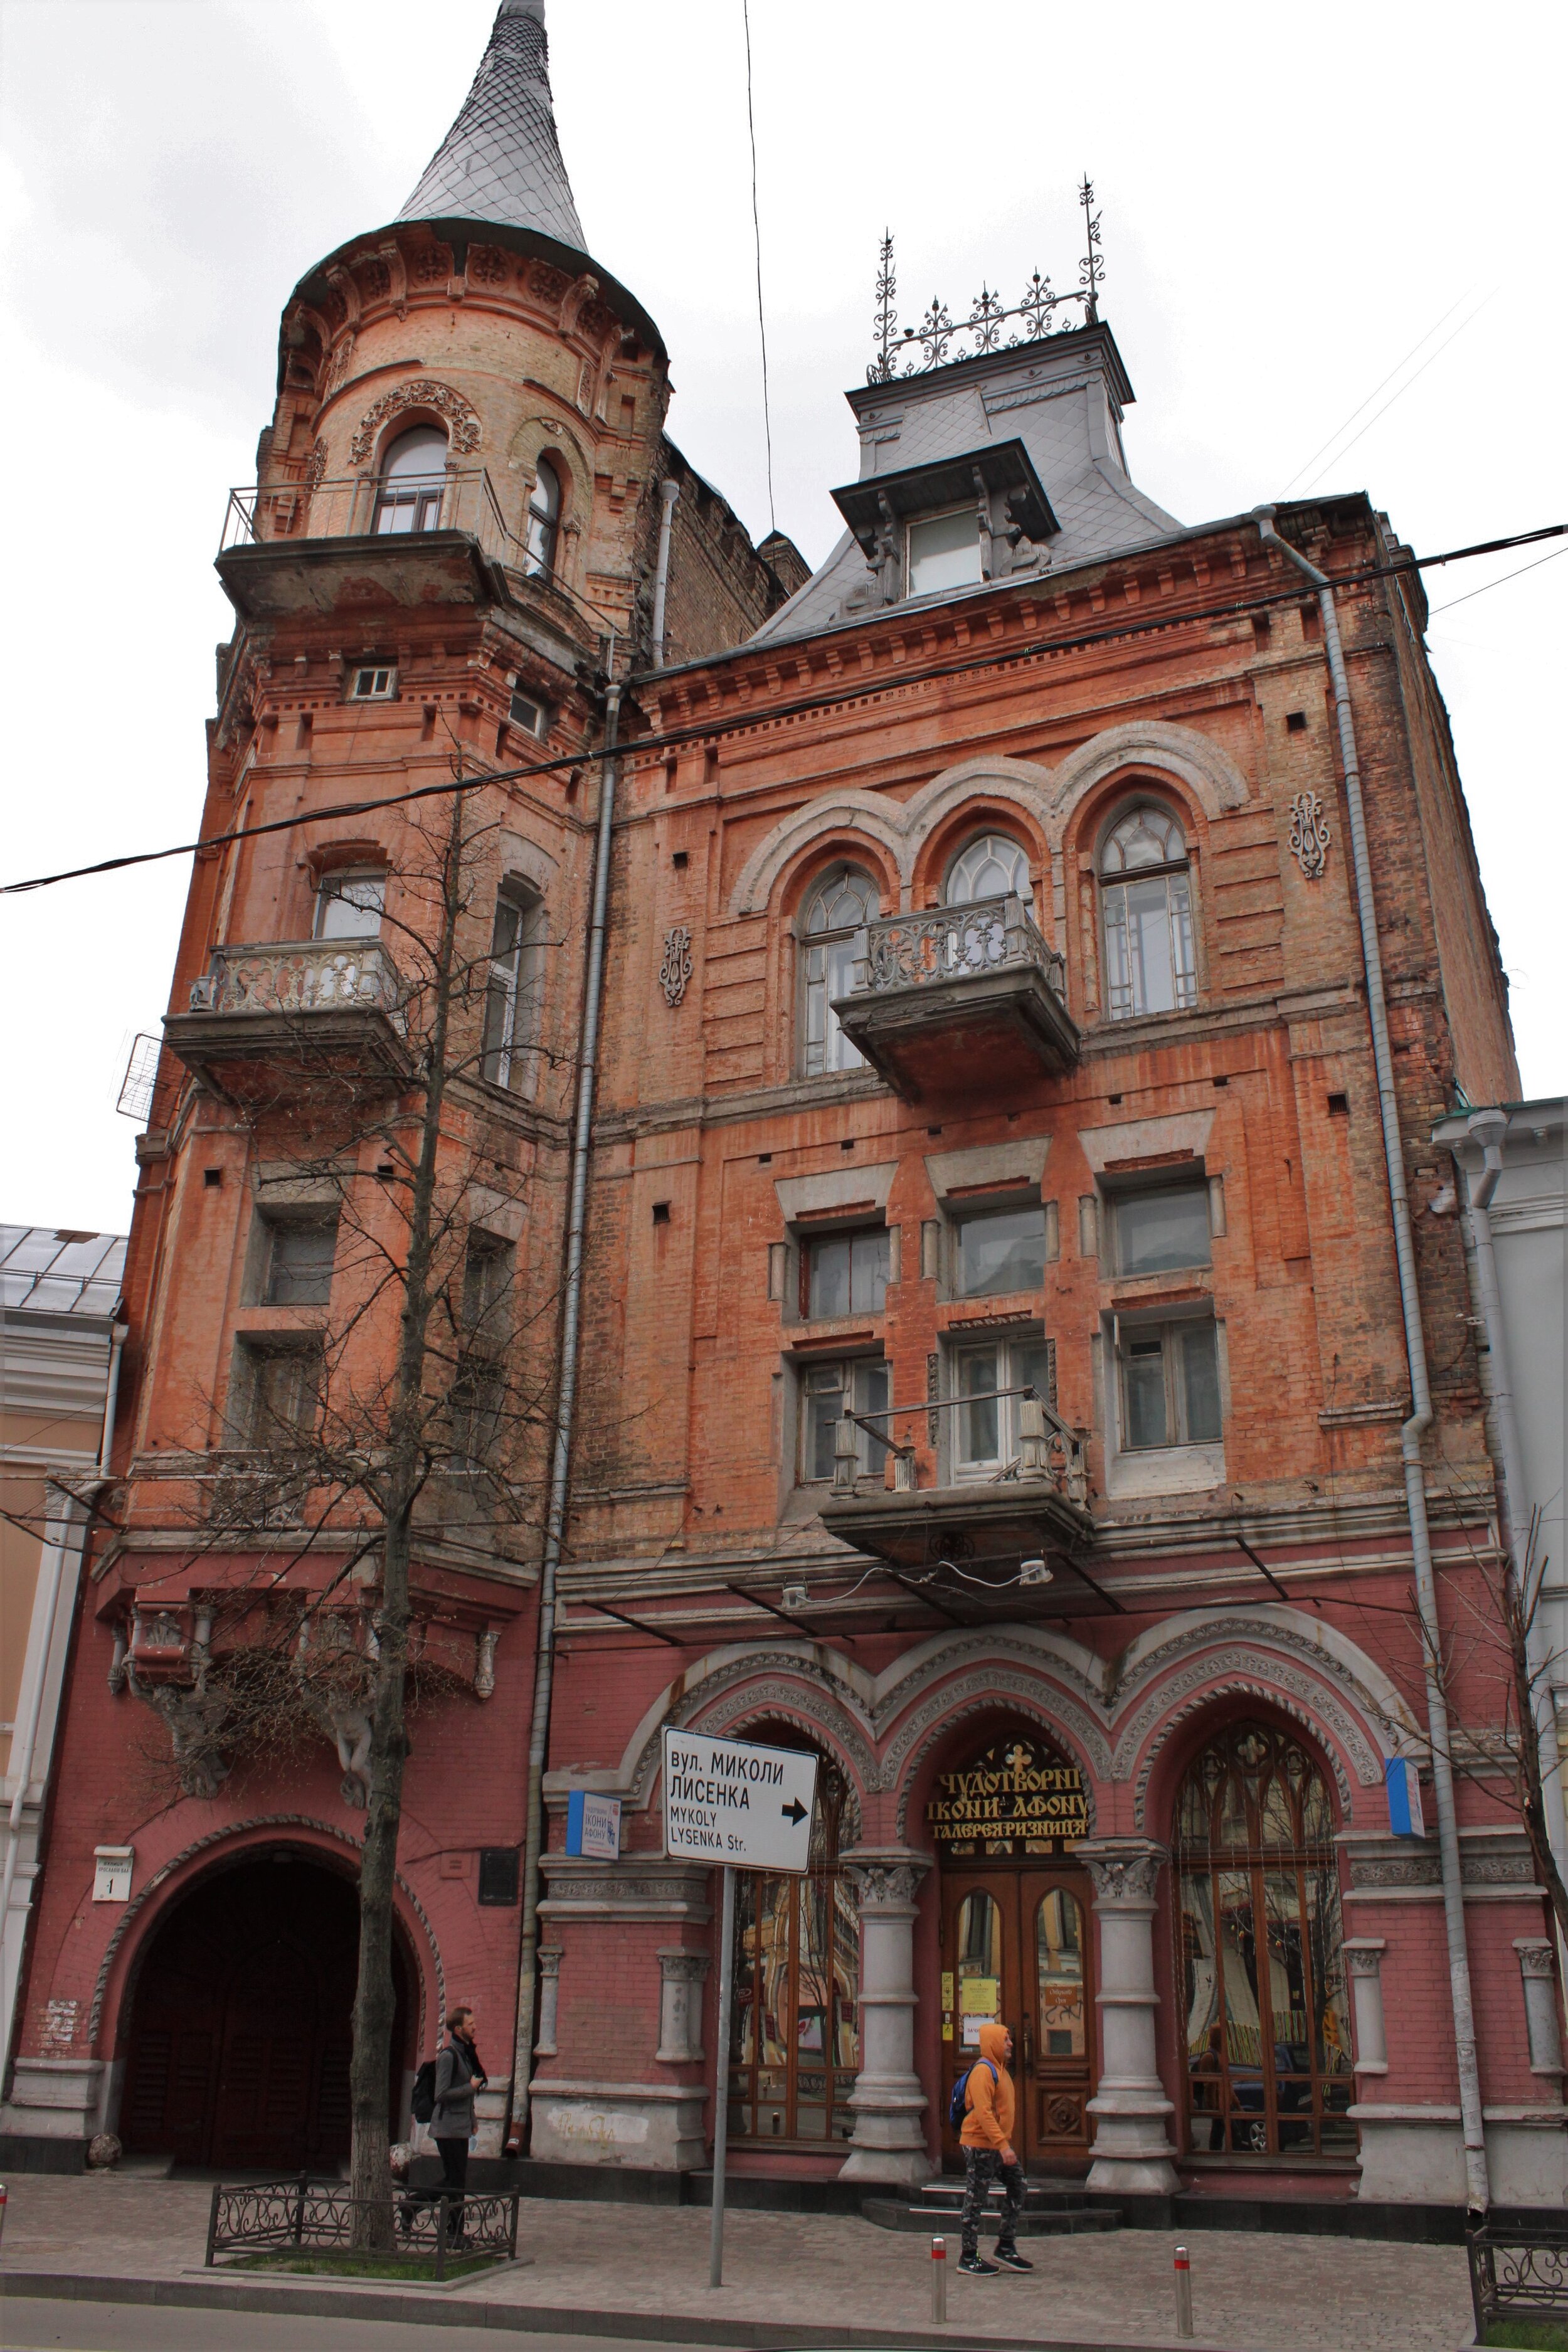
pixel 502 160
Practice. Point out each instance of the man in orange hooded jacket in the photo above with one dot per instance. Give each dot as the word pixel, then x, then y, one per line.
pixel 986 2140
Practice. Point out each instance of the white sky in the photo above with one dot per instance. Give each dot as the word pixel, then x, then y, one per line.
pixel 1293 198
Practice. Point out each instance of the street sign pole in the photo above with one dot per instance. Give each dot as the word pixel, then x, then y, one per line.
pixel 721 2080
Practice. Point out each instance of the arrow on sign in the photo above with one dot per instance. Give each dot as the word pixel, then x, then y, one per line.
pixel 793 1812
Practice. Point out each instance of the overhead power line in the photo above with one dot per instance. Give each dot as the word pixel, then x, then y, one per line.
pixel 1404 388
pixel 757 242
pixel 678 737
pixel 1324 447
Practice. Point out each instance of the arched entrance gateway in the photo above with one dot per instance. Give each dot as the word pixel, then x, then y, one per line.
pixel 1015 1940
pixel 238 2044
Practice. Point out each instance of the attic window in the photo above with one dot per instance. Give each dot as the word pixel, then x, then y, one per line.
pixel 944 552
pixel 529 713
pixel 378 685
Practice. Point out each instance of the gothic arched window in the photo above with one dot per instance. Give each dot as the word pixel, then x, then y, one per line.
pixel 1262 1957
pixel 1147 907
pixel 991 867
pixel 413 481
pixel 794 2037
pixel 840 904
pixel 543 521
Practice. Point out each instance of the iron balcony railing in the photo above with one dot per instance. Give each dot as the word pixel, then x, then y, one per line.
pixel 460 498
pixel 949 943
pixel 301 976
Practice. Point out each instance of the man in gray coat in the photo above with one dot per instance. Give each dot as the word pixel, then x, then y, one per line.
pixel 458 2075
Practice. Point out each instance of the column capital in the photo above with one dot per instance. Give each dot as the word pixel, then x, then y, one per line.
pixel 1124 1869
pixel 883 1874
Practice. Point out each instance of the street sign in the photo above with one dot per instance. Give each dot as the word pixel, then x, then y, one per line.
pixel 726 1801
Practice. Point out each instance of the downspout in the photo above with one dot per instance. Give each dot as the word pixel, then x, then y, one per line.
pixel 669 491
pixel 1488 1128
pixel 566 1407
pixel 20 1767
pixel 1477 2192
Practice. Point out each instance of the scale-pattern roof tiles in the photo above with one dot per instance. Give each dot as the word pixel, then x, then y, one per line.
pixel 502 160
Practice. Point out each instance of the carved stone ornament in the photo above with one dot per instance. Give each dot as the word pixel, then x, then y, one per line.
pixel 462 421
pixel 1363 1961
pixel 877 1883
pixel 1124 1877
pixel 676 970
pixel 1308 834
pixel 1534 1960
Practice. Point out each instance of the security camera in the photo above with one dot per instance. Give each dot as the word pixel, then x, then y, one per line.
pixel 1033 1572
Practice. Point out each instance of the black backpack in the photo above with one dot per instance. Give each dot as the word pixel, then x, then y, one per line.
pixel 423 2103
pixel 957 2106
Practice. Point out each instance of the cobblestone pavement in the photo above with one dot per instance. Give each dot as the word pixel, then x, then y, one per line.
pixel 1266 2292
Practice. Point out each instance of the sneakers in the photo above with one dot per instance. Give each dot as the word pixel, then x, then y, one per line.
pixel 1012 2259
pixel 978 2267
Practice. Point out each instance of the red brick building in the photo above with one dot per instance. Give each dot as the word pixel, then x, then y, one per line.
pixel 1037 957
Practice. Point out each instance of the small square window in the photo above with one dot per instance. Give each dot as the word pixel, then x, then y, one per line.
pixel 376 683
pixel 1170 1385
pixel 845 1274
pixel 1002 1250
pixel 1159 1232
pixel 861 1385
pixel 529 713
pixel 299 1261
pixel 944 552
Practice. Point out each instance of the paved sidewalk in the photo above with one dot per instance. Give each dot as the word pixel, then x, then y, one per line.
pixel 1258 2292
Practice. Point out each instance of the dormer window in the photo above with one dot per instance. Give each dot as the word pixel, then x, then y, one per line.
pixel 943 552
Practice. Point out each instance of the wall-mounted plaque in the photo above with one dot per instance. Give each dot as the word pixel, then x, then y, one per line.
pixel 1019 1798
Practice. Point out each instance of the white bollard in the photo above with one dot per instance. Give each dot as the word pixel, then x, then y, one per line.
pixel 1183 2293
pixel 939 2281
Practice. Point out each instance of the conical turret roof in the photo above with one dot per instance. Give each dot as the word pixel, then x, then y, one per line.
pixel 500 162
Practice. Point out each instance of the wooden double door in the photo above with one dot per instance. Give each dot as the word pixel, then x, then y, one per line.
pixel 1015 1947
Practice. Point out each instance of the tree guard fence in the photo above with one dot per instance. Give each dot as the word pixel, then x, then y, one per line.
pixel 315 2217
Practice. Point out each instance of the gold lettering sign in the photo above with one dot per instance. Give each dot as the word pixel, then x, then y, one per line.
pixel 1019 1798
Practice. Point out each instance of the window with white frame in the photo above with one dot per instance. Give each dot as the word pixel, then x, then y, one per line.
pixel 1147 915
pixel 1162 1232
pixel 859 1384
pixel 1170 1383
pixel 985 1433
pixel 942 551
pixel 1000 1250
pixel 373 682
pixel 845 1274
pixel 527 712
pixel 413 481
pixel 837 907
pixel 993 867
pixel 350 902
pixel 513 991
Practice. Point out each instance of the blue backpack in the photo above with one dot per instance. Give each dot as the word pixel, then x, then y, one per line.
pixel 958 2106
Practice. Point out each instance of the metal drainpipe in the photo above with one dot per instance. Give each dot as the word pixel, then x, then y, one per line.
pixel 669 491
pixel 23 1772
pixel 560 1460
pixel 1477 2192
pixel 1488 1127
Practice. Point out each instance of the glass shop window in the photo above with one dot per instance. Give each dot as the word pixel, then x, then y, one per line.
pixel 795 2041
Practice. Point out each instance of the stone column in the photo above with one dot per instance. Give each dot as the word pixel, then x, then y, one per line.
pixel 889 2140
pixel 1540 2004
pixel 1363 1958
pixel 549 1999
pixel 1132 2150
pixel 680 2007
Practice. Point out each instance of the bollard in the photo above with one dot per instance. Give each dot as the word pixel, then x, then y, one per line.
pixel 939 2281
pixel 1 2212
pixel 1183 2293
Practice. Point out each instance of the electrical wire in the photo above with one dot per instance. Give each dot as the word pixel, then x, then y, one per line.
pixel 1519 575
pixel 1404 388
pixel 638 747
pixel 757 243
pixel 1371 396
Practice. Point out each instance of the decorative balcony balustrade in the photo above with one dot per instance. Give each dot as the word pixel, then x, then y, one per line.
pixel 460 498
pixel 958 996
pixel 309 1005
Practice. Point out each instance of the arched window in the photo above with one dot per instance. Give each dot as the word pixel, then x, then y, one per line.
pixel 413 481
pixel 794 2036
pixel 543 521
pixel 1146 891
pixel 840 905
pixel 513 989
pixel 1268 2045
pixel 991 867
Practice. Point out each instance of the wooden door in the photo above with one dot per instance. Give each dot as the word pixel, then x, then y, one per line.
pixel 1016 1947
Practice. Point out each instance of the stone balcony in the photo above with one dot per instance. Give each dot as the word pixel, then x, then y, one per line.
pixel 291 1010
pixel 959 999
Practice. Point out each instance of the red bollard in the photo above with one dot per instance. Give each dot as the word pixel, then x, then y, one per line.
pixel 2 2209
pixel 938 2280
pixel 1183 2293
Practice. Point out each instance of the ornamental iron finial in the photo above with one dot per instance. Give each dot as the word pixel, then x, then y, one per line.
pixel 941 340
